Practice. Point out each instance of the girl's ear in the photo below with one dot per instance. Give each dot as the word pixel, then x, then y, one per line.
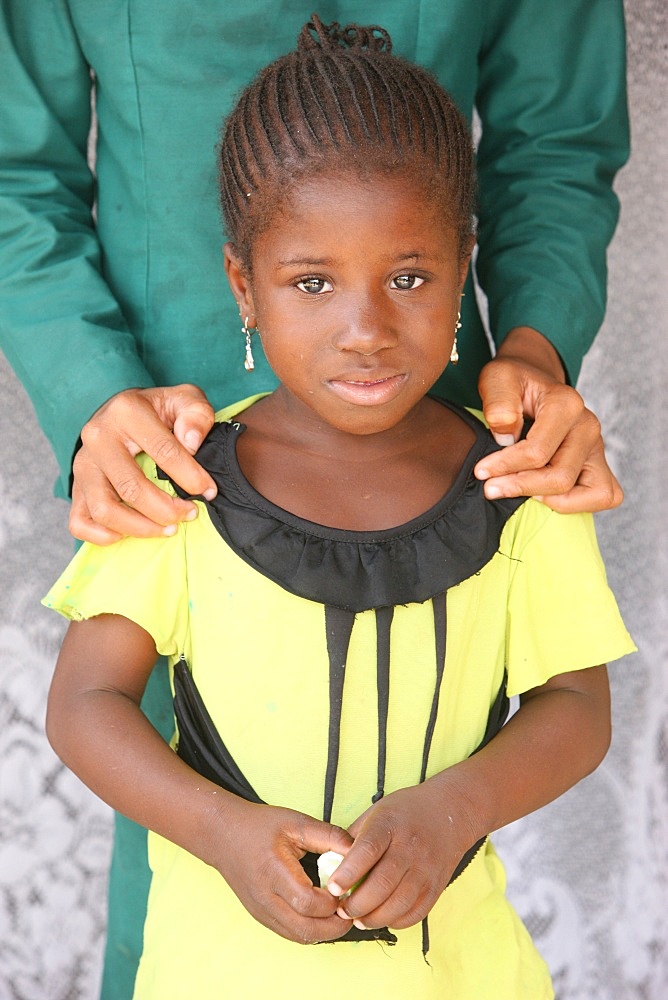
pixel 237 275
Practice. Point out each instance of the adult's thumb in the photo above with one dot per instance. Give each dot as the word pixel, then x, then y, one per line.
pixel 192 416
pixel 500 388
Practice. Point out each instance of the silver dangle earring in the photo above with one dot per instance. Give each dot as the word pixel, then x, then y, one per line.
pixel 454 353
pixel 249 363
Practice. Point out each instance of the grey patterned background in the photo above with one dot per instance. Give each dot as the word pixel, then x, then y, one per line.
pixel 590 873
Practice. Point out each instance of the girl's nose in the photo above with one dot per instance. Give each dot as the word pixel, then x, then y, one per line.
pixel 365 329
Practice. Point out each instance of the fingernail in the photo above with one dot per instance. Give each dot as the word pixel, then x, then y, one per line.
pixel 504 439
pixel 359 925
pixel 191 515
pixel 492 492
pixel 192 440
pixel 210 493
pixel 342 913
pixel 335 889
pixel 170 529
pixel 482 473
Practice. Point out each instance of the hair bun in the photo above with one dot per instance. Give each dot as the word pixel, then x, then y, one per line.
pixel 316 34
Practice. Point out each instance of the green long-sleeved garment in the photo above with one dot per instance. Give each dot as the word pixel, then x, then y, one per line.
pixel 135 295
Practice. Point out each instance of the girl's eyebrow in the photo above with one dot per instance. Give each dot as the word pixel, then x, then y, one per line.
pixel 422 256
pixel 306 262
pixel 411 255
pixel 408 255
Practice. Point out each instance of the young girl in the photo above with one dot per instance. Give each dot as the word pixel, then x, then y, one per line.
pixel 347 619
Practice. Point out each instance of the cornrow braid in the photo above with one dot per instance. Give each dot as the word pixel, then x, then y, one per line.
pixel 341 100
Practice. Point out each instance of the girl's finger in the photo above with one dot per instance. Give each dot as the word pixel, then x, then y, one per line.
pixel 289 883
pixel 277 914
pixel 364 854
pixel 289 880
pixel 385 896
pixel 409 904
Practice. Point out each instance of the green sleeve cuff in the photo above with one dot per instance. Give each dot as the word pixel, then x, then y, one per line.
pixel 555 320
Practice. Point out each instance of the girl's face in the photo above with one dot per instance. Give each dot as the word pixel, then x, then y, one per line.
pixel 355 289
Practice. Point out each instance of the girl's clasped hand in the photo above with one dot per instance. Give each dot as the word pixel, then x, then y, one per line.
pixel 402 851
pixel 406 848
pixel 258 854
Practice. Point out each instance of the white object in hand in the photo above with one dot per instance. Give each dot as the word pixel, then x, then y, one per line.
pixel 327 865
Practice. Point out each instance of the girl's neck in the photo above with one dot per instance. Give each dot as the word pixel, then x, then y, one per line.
pixel 355 482
pixel 290 422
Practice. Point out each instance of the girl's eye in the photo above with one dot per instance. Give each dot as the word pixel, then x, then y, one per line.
pixel 406 281
pixel 314 286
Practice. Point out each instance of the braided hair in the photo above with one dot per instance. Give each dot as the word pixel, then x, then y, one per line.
pixel 340 101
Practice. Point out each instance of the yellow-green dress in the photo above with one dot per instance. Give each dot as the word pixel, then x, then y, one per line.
pixel 337 666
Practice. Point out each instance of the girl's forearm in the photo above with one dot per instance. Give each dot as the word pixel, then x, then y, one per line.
pixel 106 740
pixel 109 744
pixel 559 735
pixel 97 728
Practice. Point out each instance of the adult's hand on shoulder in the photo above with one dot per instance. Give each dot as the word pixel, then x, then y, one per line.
pixel 111 497
pixel 562 460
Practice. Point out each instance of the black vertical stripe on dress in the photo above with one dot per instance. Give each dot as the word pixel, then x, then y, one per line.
pixel 438 604
pixel 384 618
pixel 339 627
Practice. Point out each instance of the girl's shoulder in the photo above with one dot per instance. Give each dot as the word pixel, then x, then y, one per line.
pixel 233 410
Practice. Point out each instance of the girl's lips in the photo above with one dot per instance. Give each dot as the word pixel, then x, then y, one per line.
pixel 370 391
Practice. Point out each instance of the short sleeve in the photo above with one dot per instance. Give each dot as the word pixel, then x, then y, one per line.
pixel 562 615
pixel 142 579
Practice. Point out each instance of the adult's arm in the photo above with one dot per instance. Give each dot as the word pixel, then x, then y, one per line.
pixel 61 328
pixel 552 102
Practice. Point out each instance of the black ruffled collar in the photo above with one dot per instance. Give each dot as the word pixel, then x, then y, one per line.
pixel 358 570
